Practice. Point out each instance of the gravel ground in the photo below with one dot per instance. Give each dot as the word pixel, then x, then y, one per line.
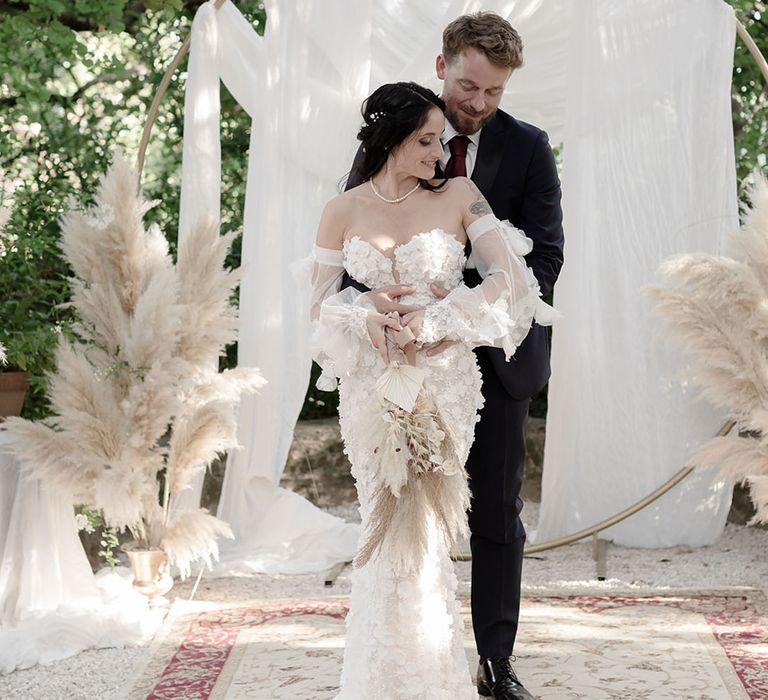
pixel 738 559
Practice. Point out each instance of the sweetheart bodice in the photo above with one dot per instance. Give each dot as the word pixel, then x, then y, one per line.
pixel 430 257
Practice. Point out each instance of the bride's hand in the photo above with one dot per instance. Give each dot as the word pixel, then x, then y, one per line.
pixel 377 324
pixel 414 321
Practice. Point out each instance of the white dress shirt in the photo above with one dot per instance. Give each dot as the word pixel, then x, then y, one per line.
pixel 474 140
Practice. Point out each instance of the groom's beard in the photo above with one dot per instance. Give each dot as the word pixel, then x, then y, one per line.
pixel 467 123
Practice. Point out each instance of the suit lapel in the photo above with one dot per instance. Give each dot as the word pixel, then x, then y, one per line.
pixel 489 153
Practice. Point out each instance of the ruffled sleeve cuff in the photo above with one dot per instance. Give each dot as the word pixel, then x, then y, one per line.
pixel 340 336
pixel 467 316
pixel 516 240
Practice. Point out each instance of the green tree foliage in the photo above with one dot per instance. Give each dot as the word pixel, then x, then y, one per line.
pixel 78 77
pixel 750 123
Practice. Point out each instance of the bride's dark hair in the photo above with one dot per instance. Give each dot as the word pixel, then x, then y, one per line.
pixel 391 114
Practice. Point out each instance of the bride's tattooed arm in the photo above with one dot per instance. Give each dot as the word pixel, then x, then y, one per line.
pixel 480 206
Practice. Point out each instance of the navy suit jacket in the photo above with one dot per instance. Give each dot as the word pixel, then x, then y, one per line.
pixel 515 170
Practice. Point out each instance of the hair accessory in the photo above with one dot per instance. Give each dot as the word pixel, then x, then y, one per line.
pixel 375 116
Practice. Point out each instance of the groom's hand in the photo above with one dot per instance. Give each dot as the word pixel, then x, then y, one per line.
pixel 387 299
pixel 437 348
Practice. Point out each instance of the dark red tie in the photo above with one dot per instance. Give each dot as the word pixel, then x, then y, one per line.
pixel 457 165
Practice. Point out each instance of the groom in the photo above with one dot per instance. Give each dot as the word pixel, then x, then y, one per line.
pixel 512 164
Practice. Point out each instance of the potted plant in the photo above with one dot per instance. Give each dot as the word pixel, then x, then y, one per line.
pixel 139 406
pixel 29 350
pixel 13 389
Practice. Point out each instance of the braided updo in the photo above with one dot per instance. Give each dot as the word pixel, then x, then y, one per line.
pixel 390 115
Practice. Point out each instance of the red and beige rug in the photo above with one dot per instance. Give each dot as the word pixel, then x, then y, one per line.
pixel 702 645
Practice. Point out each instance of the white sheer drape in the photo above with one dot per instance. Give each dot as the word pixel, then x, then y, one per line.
pixel 283 81
pixel 645 176
pixel 648 173
pixel 294 168
pixel 51 604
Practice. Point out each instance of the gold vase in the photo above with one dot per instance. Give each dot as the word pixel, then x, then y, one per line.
pixel 150 573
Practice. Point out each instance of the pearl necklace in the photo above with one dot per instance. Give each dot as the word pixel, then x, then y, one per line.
pixel 397 199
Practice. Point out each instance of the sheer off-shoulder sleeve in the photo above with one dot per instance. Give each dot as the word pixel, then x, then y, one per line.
pixel 338 316
pixel 499 312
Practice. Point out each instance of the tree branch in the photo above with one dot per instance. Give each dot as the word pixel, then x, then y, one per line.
pixel 66 100
pixel 104 78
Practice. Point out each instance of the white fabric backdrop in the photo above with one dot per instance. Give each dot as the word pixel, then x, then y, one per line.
pixel 281 88
pixel 648 172
pixel 621 86
pixel 305 75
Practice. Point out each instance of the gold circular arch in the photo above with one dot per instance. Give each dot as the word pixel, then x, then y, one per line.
pixel 595 529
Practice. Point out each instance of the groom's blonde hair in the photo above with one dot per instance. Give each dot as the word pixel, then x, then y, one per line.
pixel 487 32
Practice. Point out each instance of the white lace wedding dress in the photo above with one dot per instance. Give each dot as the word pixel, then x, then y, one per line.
pixel 404 632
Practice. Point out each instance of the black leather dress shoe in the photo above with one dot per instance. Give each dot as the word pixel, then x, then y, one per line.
pixel 496 679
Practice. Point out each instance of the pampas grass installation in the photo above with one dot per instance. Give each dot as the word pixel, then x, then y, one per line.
pixel 139 405
pixel 718 307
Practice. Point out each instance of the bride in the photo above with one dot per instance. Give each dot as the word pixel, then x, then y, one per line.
pixel 407 416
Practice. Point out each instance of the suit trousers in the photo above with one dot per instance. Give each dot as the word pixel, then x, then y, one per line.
pixel 495 466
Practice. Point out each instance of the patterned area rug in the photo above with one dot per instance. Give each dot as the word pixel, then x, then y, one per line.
pixel 707 646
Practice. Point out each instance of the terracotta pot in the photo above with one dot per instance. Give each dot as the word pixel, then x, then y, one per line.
pixel 13 389
pixel 150 573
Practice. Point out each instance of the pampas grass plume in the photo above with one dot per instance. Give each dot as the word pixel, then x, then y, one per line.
pixel 718 308
pixel 137 399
